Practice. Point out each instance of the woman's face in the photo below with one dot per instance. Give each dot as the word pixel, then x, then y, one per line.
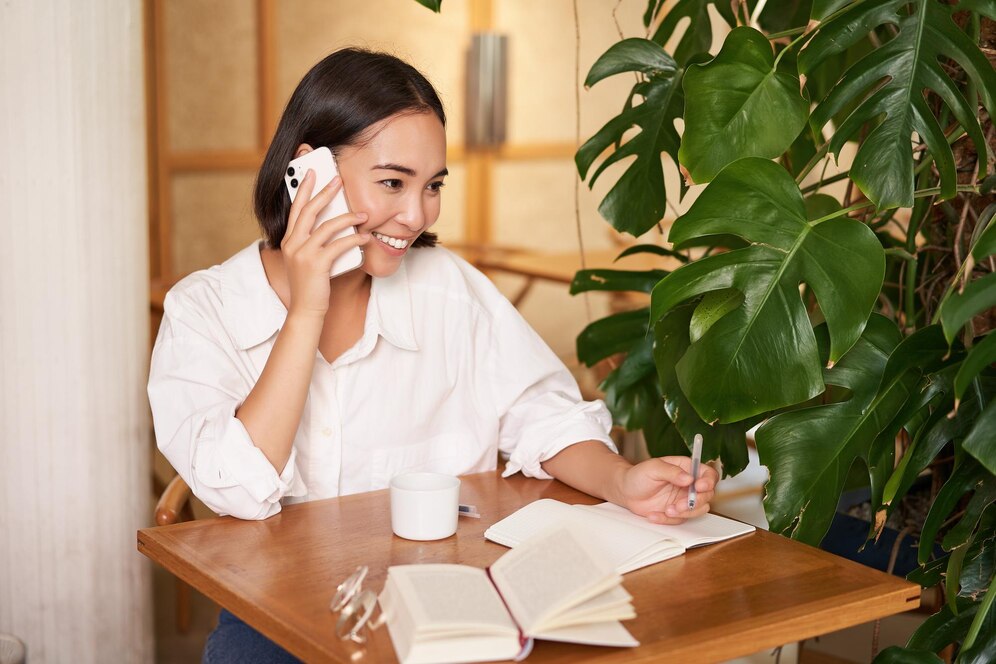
pixel 395 177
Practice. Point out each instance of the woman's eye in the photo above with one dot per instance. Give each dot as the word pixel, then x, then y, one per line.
pixel 434 187
pixel 392 184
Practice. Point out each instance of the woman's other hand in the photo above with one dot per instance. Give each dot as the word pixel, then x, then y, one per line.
pixel 658 489
pixel 307 252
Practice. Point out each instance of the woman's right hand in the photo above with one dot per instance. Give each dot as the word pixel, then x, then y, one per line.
pixel 308 255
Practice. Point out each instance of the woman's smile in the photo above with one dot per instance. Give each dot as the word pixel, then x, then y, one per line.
pixel 394 246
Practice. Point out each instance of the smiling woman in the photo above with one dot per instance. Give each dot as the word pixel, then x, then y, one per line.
pixel 272 382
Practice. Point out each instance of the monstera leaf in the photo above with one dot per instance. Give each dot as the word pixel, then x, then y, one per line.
pixel 935 433
pixel 979 441
pixel 631 392
pixel 968 477
pixel 636 201
pixel 762 355
pixel 729 105
pixel 823 8
pixel 697 37
pixel 898 655
pixel 610 335
pixel 959 308
pixel 894 77
pixel 727 442
pixel 810 451
pixel 978 564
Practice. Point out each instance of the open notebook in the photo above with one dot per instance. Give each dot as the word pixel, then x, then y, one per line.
pixel 554 587
pixel 627 540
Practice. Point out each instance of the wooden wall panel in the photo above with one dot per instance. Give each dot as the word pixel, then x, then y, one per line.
pixel 308 30
pixel 534 207
pixel 541 66
pixel 210 50
pixel 212 217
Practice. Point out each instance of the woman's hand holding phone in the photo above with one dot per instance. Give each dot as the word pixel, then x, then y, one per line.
pixel 308 252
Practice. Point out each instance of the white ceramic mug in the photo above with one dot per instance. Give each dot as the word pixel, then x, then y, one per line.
pixel 424 506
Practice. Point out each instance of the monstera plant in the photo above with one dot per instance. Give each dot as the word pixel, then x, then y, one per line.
pixel 854 328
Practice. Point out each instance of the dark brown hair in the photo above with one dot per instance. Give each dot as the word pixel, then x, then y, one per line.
pixel 333 105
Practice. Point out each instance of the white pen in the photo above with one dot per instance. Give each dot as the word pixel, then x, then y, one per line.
pixel 696 459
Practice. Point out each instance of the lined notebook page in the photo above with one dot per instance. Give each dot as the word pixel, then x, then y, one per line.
pixel 705 529
pixel 618 541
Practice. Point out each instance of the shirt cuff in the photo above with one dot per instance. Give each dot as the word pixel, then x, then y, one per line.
pixel 592 422
pixel 228 463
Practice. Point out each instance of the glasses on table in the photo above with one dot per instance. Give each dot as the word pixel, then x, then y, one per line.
pixel 355 607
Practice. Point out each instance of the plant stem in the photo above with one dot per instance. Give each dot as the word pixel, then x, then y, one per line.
pixel 786 33
pixel 976 626
pixel 919 193
pixel 778 58
pixel 811 164
pixel 841 213
pixel 971 92
pixel 823 183
pixel 901 253
pixel 921 209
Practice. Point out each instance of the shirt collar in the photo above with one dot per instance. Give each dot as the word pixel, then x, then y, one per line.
pixel 253 312
pixel 389 311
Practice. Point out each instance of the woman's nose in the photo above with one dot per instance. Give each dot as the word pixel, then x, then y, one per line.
pixel 413 214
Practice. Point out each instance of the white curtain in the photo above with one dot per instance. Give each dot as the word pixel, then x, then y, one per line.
pixel 74 428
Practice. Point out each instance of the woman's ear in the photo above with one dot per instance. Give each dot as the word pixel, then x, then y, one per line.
pixel 302 150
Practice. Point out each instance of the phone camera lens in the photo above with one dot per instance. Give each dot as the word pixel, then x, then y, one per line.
pixel 294 183
pixel 290 171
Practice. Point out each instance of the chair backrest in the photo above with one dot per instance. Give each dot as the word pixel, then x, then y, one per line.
pixel 174 504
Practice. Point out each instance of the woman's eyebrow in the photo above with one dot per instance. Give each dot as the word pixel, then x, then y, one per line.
pixel 407 171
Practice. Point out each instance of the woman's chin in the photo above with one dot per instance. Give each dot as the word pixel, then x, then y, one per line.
pixel 381 266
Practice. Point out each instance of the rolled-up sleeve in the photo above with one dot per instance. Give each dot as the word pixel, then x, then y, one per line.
pixel 539 405
pixel 195 388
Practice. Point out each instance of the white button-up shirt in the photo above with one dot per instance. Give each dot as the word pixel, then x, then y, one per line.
pixel 446 375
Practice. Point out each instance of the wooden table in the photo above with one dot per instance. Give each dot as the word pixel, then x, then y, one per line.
pixel 714 603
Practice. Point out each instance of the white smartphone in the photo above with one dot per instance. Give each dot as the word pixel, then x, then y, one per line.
pixel 323 164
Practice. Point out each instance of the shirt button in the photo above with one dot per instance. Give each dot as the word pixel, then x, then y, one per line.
pixel 326 432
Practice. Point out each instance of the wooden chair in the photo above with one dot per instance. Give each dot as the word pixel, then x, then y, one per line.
pixel 173 507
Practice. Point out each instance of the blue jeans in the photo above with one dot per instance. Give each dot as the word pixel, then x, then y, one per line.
pixel 233 641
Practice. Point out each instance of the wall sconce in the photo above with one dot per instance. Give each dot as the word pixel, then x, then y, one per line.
pixel 487 98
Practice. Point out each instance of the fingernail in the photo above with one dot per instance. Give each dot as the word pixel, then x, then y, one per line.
pixel 672 511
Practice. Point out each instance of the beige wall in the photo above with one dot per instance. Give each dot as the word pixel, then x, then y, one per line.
pixel 212 96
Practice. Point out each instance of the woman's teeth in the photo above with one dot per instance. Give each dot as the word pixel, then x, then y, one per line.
pixel 391 241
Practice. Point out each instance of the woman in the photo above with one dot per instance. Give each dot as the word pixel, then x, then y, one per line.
pixel 271 382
